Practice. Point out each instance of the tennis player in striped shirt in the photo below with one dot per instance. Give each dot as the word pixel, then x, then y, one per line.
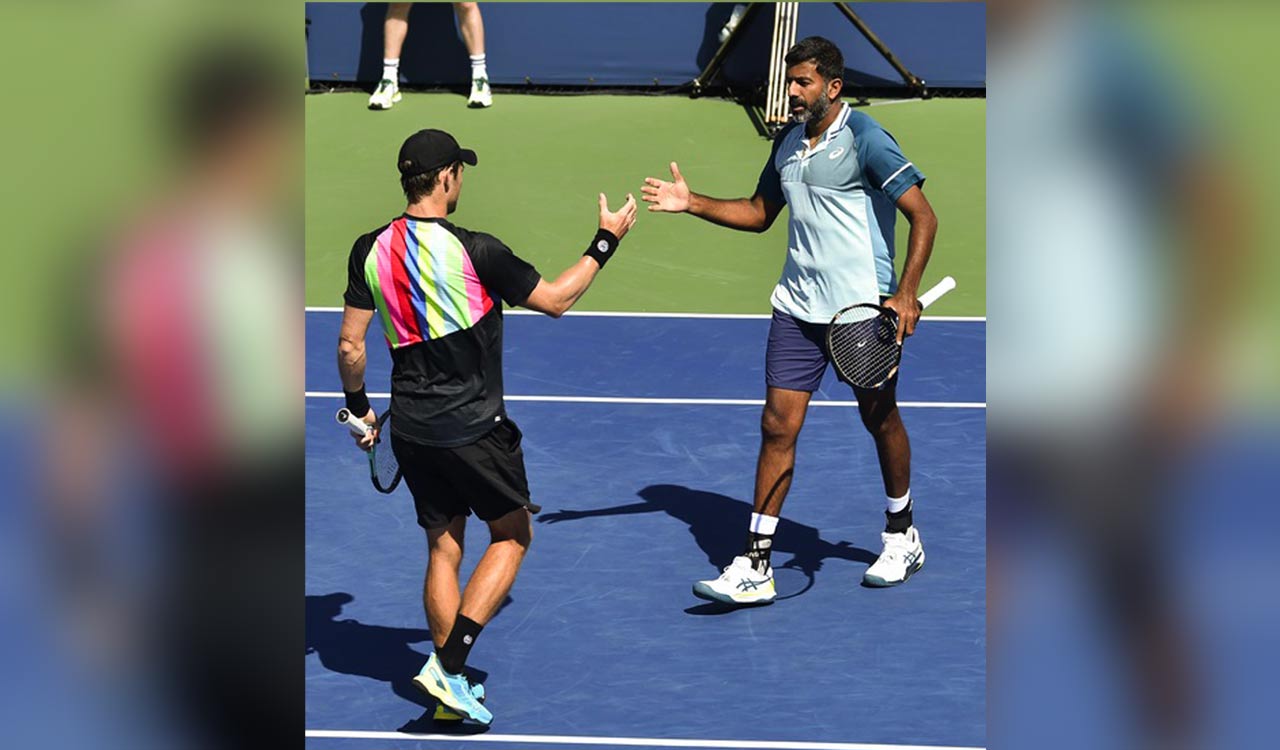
pixel 437 291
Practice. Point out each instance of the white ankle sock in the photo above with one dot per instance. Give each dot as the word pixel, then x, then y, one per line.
pixel 897 504
pixel 477 67
pixel 391 70
pixel 761 524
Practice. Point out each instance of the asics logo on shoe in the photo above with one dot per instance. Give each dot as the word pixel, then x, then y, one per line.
pixel 912 557
pixel 747 584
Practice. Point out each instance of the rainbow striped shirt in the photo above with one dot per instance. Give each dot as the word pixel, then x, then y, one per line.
pixel 436 290
pixel 423 282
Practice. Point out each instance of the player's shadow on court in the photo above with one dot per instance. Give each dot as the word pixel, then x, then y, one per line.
pixel 718 524
pixel 378 653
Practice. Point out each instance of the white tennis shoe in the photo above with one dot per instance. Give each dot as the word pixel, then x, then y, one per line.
pixel 739 584
pixel 903 555
pixel 387 94
pixel 481 94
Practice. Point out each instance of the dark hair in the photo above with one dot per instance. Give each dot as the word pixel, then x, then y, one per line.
pixel 419 186
pixel 220 88
pixel 824 53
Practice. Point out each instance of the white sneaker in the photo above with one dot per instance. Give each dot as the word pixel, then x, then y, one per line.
pixel 388 93
pixel 481 94
pixel 739 584
pixel 903 555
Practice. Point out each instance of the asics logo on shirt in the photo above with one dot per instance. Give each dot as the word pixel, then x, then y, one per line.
pixel 835 154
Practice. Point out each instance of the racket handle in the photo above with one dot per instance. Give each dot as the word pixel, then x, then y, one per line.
pixel 936 291
pixel 353 423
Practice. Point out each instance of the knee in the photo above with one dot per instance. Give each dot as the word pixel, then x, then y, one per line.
pixel 516 529
pixel 466 9
pixel 881 423
pixel 778 428
pixel 444 556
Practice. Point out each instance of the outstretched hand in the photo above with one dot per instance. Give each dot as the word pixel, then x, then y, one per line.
pixel 621 221
pixel 672 197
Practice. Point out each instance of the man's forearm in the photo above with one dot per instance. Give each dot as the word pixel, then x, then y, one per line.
pixel 739 213
pixel 573 283
pixel 351 365
pixel 919 247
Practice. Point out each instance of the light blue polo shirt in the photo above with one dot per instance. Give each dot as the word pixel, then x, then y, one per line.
pixel 842 194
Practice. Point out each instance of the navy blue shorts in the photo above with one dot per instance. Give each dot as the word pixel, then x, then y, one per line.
pixel 797 356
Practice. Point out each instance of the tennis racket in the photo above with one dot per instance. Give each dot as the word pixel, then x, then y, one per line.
pixel 863 340
pixel 384 469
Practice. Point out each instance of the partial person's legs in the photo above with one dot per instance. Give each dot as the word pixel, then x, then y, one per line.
pixel 441 599
pixel 794 364
pixel 510 537
pixel 444 676
pixel 879 411
pixel 903 554
pixel 749 578
pixel 440 592
pixel 441 595
pixel 471 24
pixel 780 423
pixel 394 30
pixel 489 585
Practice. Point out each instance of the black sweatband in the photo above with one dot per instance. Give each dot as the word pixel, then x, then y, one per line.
pixel 357 402
pixel 602 246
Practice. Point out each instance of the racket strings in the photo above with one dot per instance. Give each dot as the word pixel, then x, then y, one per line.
pixel 385 466
pixel 864 347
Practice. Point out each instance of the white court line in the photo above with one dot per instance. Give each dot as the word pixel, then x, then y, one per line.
pixel 616 741
pixel 893 101
pixel 688 316
pixel 687 401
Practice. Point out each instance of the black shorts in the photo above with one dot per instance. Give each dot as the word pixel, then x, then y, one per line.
pixel 486 477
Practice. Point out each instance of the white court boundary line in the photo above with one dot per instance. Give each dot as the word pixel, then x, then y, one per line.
pixel 688 316
pixel 617 741
pixel 687 401
pixel 893 101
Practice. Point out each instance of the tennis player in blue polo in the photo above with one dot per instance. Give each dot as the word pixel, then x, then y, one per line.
pixel 844 178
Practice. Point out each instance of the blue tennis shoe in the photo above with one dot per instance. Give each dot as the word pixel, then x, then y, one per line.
pixel 454 691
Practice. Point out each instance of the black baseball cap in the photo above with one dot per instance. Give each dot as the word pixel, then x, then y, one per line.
pixel 426 150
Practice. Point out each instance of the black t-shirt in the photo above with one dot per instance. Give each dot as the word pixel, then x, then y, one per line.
pixel 438 290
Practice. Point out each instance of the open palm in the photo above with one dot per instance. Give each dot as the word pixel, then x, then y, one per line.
pixel 667 196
